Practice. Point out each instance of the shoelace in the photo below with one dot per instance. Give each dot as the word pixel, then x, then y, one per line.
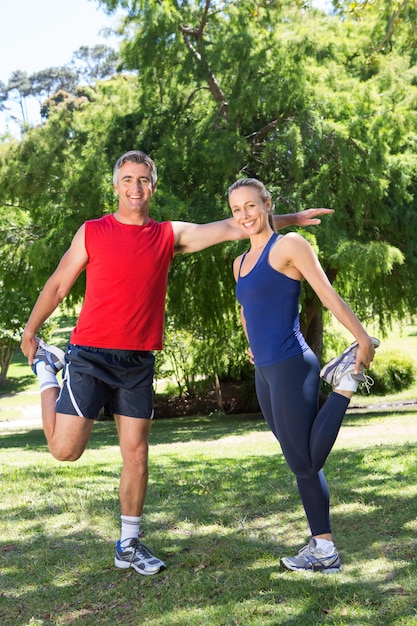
pixel 367 383
pixel 140 549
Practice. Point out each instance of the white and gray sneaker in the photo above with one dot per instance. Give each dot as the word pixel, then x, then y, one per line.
pixel 52 356
pixel 132 553
pixel 313 559
pixel 343 364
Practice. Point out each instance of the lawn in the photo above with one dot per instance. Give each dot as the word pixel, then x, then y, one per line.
pixel 222 509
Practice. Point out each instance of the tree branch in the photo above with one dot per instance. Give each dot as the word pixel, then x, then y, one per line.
pixel 260 134
pixel 391 25
pixel 200 56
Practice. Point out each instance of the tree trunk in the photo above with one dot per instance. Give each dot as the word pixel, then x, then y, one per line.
pixel 311 322
pixel 218 393
pixel 6 355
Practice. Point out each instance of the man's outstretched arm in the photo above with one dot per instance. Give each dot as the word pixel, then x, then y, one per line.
pixel 309 217
pixel 191 237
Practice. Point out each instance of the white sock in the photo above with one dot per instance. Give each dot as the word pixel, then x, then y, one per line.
pixel 46 378
pixel 325 545
pixel 347 383
pixel 130 527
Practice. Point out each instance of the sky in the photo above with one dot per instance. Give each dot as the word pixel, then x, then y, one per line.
pixel 37 34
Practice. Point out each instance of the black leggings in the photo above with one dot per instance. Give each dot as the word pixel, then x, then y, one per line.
pixel 288 397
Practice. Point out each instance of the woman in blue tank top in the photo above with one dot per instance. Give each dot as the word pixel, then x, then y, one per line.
pixel 287 373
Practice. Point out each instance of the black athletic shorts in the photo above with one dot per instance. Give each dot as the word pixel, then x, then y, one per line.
pixel 120 380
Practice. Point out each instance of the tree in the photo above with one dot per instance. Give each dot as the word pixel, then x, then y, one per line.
pixel 47 82
pixel 15 300
pixel 95 63
pixel 391 23
pixel 3 95
pixel 215 90
pixel 87 66
pixel 265 90
pixel 17 90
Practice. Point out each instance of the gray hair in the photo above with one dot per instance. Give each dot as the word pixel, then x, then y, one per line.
pixel 136 156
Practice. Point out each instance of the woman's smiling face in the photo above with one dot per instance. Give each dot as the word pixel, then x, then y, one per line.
pixel 249 210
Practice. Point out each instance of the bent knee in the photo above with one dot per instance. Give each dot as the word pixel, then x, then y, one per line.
pixel 64 454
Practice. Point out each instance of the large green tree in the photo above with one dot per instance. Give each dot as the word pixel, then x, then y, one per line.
pixel 214 90
pixel 307 103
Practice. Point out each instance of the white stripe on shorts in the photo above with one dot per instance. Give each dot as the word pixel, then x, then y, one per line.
pixel 70 392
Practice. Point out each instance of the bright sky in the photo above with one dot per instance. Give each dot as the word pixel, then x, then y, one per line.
pixel 37 34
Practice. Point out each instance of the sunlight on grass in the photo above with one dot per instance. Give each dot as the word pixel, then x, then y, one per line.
pixel 222 510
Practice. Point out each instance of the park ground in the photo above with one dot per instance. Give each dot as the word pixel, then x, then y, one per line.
pixel 222 509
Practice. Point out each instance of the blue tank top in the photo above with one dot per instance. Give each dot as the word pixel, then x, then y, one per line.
pixel 271 307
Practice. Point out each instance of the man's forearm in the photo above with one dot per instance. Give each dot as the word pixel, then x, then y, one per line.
pixel 308 217
pixel 289 219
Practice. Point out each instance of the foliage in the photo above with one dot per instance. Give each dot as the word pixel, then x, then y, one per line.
pixel 176 360
pixel 213 90
pixel 393 22
pixel 15 293
pixel 392 372
pixel 321 127
pixel 97 63
pixel 87 65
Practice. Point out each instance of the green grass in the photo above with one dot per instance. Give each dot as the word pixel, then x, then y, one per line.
pixel 222 509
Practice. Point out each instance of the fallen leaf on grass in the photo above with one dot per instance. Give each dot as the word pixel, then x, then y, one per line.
pixel 199 567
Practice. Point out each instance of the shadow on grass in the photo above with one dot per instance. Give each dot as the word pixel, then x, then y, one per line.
pixel 183 429
pixel 221 525
pixel 15 385
pixel 24 378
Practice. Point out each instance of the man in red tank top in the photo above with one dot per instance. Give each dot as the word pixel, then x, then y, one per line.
pixel 109 360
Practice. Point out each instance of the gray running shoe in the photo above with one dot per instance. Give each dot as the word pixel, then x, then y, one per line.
pixel 313 559
pixel 52 356
pixel 135 554
pixel 338 367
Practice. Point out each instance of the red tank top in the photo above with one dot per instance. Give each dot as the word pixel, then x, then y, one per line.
pixel 127 276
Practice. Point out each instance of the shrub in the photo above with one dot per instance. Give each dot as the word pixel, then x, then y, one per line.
pixel 392 372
